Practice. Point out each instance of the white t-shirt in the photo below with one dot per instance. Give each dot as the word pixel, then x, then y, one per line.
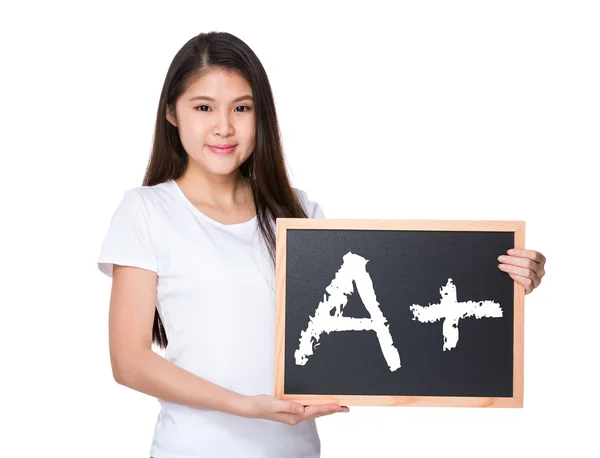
pixel 216 299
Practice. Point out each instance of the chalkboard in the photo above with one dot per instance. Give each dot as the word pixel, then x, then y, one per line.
pixel 398 312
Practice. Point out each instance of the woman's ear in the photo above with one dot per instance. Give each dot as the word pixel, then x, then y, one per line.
pixel 170 117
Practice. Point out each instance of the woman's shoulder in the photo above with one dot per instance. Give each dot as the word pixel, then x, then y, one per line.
pixel 145 203
pixel 312 207
pixel 148 195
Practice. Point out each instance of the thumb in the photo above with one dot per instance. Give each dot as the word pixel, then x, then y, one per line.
pixel 290 407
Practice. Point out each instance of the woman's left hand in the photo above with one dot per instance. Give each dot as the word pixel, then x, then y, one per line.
pixel 524 266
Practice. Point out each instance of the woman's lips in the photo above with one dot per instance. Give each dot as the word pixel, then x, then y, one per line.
pixel 218 150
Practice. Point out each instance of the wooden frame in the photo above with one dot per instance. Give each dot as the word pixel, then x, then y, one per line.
pixel 283 224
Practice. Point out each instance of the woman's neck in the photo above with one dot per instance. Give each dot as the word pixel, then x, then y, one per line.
pixel 217 191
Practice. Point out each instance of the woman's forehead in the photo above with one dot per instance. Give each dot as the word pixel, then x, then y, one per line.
pixel 219 84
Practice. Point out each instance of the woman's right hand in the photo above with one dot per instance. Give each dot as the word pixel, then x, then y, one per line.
pixel 274 409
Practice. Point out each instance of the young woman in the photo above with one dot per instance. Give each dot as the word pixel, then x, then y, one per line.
pixel 191 254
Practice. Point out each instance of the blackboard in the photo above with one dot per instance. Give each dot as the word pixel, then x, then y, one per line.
pixel 398 312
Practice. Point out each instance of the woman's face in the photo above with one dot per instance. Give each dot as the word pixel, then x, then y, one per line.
pixel 217 109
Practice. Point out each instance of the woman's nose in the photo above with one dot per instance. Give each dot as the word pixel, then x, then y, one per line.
pixel 224 126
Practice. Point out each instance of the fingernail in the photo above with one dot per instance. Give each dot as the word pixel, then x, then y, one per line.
pixel 501 258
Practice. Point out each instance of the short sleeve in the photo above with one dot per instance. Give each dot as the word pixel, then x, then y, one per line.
pixel 313 209
pixel 318 211
pixel 128 240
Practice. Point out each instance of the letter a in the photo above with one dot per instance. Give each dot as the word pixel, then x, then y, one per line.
pixel 353 268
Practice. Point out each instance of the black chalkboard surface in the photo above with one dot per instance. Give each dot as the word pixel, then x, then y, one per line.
pixel 397 312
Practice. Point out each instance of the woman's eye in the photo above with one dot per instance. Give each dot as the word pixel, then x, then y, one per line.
pixel 206 108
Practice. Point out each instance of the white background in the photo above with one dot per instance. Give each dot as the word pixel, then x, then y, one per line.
pixel 414 110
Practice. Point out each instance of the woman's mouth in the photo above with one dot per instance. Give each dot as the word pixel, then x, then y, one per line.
pixel 222 149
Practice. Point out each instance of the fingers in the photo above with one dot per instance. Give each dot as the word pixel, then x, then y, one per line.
pixel 533 255
pixel 270 408
pixel 310 413
pixel 290 408
pixel 528 278
pixel 528 283
pixel 520 262
pixel 524 266
pixel 522 271
pixel 315 411
pixel 526 263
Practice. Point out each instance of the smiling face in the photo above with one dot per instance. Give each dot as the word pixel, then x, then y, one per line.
pixel 216 109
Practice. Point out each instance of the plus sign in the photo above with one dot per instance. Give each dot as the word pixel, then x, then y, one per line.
pixel 451 311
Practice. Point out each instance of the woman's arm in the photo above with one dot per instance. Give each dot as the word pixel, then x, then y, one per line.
pixel 137 366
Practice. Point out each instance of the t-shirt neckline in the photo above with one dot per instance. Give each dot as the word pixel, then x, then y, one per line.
pixel 205 217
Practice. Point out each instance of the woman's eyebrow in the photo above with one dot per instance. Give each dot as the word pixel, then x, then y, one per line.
pixel 205 97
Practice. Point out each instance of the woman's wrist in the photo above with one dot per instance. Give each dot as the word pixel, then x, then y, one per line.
pixel 237 404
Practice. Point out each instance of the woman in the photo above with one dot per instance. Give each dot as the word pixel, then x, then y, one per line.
pixel 191 254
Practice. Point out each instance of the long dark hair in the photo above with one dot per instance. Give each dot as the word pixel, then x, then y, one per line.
pixel 265 168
